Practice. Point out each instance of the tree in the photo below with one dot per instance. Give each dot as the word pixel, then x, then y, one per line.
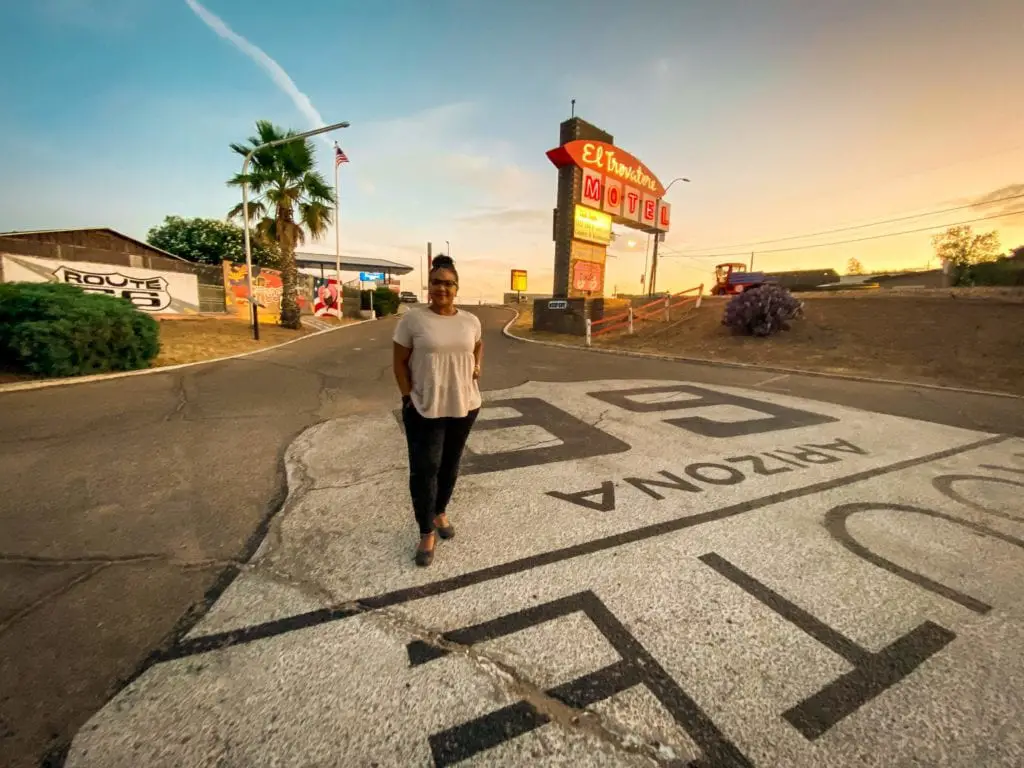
pixel 209 241
pixel 961 248
pixel 283 182
pixel 854 267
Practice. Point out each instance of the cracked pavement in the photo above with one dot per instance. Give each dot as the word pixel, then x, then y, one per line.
pixel 131 504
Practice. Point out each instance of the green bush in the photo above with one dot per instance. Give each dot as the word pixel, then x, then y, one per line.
pixel 1002 271
pixel 385 301
pixel 50 329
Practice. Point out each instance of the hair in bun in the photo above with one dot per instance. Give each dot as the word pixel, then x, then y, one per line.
pixel 444 261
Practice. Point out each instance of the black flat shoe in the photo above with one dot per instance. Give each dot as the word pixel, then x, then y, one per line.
pixel 425 557
pixel 447 532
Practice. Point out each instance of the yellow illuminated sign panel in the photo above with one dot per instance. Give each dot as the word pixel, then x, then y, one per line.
pixel 592 226
pixel 519 280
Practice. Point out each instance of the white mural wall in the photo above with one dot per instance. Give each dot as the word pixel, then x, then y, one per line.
pixel 150 290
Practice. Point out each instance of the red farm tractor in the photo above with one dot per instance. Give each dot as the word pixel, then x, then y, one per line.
pixel 731 279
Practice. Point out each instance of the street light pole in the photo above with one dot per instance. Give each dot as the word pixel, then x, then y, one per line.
pixel 449 246
pixel 657 236
pixel 245 211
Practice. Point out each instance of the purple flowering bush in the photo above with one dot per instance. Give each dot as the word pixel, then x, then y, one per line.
pixel 762 310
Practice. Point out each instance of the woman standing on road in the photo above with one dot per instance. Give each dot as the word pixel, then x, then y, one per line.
pixel 437 355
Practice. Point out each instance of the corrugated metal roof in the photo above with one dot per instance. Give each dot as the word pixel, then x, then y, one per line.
pixel 93 229
pixel 352 263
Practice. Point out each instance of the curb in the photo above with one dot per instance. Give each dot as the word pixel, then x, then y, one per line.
pixel 749 366
pixel 24 386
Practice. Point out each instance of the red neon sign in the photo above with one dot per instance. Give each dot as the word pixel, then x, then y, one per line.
pixel 608 159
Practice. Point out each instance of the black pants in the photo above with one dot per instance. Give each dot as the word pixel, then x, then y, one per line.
pixel 435 452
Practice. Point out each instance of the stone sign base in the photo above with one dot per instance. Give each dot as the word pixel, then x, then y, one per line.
pixel 567 316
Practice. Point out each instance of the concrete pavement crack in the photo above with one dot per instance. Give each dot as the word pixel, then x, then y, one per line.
pixel 511 682
pixel 52 594
pixel 182 400
pixel 98 564
pixel 106 561
pixel 601 418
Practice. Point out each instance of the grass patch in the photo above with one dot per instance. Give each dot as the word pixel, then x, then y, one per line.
pixel 193 339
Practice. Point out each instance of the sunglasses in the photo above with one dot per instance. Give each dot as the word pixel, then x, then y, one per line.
pixel 435 283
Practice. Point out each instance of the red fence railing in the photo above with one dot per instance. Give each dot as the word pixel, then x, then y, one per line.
pixel 648 311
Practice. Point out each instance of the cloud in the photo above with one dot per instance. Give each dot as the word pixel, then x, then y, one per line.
pixel 996 204
pixel 444 156
pixel 281 78
pixel 509 217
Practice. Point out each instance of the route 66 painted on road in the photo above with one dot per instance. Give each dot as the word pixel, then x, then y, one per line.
pixel 645 572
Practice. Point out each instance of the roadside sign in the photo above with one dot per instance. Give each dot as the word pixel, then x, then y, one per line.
pixel 370 277
pixel 519 280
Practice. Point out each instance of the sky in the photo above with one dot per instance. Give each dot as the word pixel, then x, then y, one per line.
pixel 790 117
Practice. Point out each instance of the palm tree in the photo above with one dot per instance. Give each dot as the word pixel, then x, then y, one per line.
pixel 282 179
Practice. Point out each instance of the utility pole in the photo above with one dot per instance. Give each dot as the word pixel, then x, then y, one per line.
pixel 426 269
pixel 654 265
pixel 337 235
pixel 657 236
pixel 751 261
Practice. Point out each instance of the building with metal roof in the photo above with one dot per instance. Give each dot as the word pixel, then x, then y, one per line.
pixel 325 263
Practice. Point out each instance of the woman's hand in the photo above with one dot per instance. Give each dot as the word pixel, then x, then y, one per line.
pixel 476 371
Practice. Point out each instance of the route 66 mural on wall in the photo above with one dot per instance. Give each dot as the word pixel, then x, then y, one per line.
pixel 149 290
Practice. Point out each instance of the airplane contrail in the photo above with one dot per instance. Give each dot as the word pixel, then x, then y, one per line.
pixel 281 78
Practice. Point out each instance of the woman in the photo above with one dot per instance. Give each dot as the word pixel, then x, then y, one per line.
pixel 437 355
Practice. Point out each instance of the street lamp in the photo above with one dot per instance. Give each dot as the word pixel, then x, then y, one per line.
pixel 245 211
pixel 449 246
pixel 657 218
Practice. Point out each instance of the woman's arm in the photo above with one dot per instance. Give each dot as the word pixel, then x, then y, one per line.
pixel 478 358
pixel 400 362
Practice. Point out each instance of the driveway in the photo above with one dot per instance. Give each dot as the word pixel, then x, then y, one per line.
pixel 133 504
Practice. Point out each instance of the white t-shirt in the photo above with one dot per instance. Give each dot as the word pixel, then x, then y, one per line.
pixel 442 361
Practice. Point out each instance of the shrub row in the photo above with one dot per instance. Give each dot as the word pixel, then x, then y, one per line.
pixel 381 300
pixel 51 329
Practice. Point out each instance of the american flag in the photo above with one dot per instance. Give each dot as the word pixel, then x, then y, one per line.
pixel 339 156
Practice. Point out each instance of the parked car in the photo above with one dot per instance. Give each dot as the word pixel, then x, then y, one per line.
pixel 408 297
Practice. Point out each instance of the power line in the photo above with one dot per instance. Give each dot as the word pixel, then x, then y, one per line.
pixel 866 226
pixel 671 254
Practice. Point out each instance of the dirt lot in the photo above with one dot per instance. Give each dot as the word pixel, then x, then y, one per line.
pixel 187 339
pixel 962 339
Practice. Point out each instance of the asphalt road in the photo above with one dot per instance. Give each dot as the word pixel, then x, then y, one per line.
pixel 130 504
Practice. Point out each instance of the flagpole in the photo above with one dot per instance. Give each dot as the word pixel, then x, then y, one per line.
pixel 337 233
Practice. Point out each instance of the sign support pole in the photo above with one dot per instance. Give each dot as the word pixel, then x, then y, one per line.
pixel 654 257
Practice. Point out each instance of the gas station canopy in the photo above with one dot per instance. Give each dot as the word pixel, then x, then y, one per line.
pixel 351 263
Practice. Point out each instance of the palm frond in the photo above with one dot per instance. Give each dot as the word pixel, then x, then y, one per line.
pixel 266 230
pixel 284 183
pixel 257 210
pixel 316 217
pixel 316 189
